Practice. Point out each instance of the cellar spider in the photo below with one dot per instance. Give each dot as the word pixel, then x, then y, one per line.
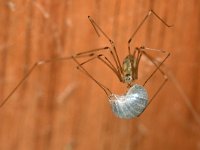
pixel 135 101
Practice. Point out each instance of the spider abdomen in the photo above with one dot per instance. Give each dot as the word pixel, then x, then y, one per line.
pixel 130 105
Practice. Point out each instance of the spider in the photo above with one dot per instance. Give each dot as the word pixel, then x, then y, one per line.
pixel 135 101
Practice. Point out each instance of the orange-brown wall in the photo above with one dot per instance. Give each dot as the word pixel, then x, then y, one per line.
pixel 59 108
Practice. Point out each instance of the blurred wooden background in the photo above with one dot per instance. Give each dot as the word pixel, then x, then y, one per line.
pixel 59 108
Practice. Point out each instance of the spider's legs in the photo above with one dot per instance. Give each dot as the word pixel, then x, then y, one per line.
pixel 106 61
pixel 42 62
pixel 157 64
pixel 81 68
pixel 140 25
pixel 114 53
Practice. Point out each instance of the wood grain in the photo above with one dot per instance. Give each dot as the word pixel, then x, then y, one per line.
pixel 59 108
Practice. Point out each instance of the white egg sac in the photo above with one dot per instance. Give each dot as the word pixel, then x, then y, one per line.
pixel 130 105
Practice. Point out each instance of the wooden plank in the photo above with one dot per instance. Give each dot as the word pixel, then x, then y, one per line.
pixel 60 108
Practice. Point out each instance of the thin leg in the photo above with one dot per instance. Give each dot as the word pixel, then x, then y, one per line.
pixel 140 25
pixel 91 52
pixel 115 55
pixel 106 61
pixel 143 49
pixel 81 68
pixel 157 64
pixel 164 75
pixel 42 62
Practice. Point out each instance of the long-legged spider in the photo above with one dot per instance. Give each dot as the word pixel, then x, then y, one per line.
pixel 135 101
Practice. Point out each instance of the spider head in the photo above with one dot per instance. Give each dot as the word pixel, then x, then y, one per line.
pixel 127 78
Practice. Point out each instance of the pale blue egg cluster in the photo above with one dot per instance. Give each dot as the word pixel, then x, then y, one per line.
pixel 130 105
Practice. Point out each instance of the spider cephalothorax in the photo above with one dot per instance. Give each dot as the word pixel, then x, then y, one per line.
pixel 129 68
